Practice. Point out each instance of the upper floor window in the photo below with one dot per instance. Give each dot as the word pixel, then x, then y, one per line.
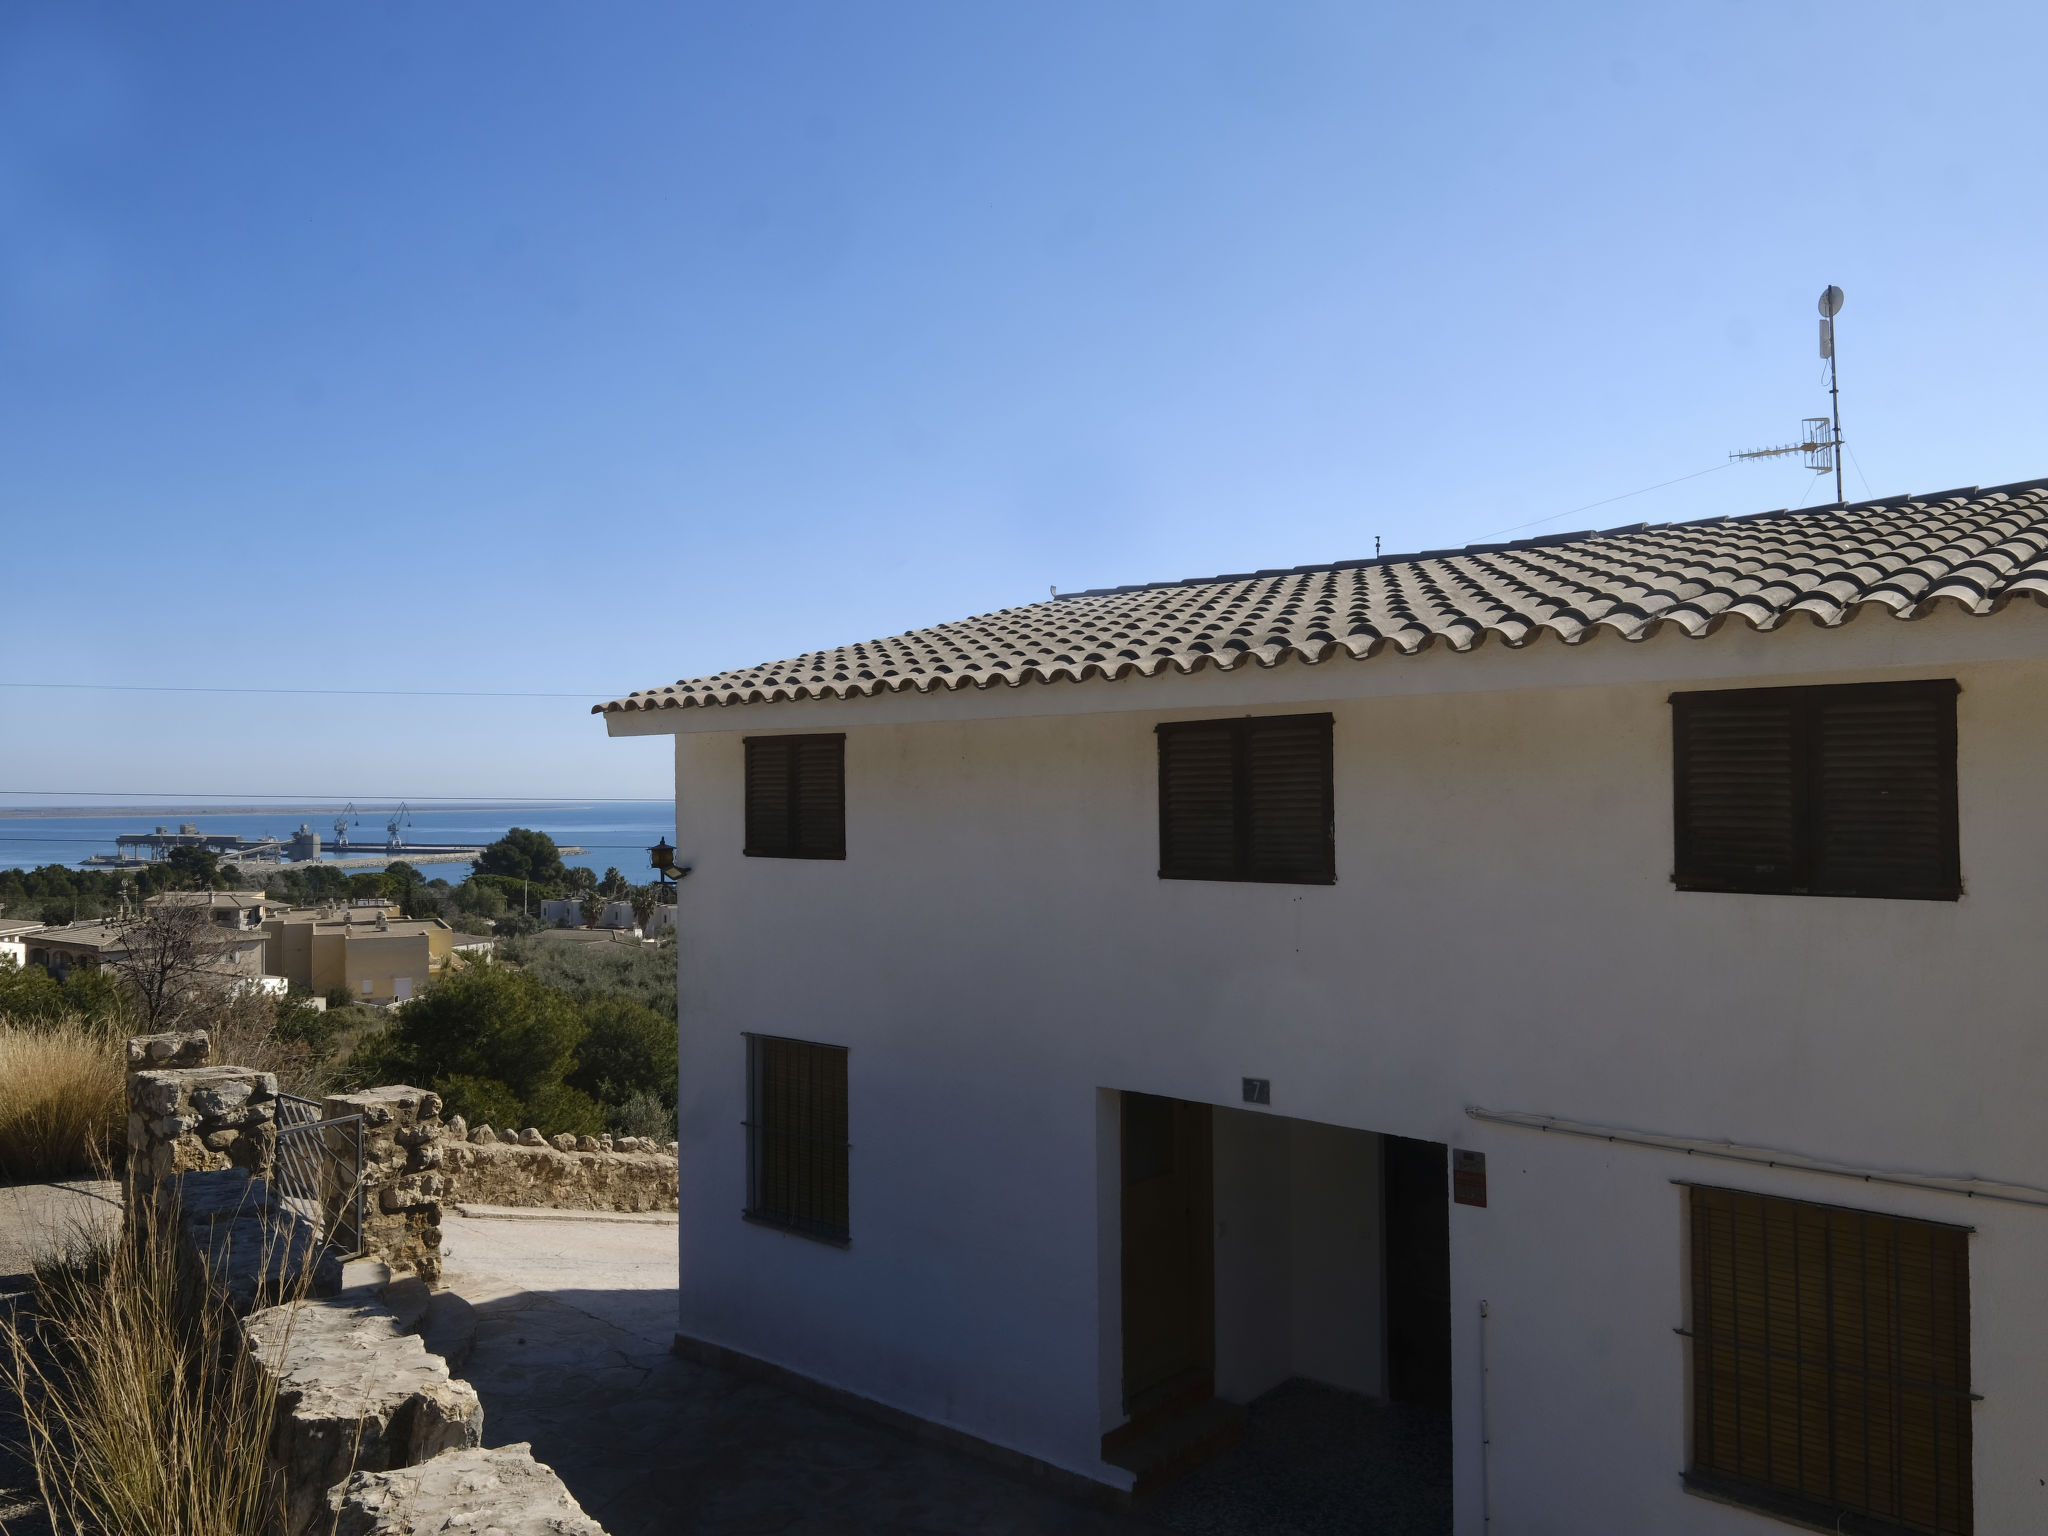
pixel 1247 799
pixel 796 797
pixel 1842 790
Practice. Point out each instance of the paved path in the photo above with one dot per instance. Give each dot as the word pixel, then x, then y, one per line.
pixel 40 1220
pixel 657 1446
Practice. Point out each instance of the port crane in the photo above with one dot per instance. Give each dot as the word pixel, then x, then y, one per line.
pixel 341 824
pixel 394 837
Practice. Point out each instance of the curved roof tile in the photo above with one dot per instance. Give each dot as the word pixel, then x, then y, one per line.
pixel 1898 556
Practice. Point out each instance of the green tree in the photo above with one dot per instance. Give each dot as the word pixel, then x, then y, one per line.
pixel 479 898
pixel 522 854
pixel 614 885
pixel 197 869
pixel 491 1024
pixel 626 1049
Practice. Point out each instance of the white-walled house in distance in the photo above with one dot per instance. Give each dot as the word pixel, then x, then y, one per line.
pixel 1097 1013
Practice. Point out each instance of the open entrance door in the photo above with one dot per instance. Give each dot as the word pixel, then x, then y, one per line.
pixel 1418 1228
pixel 1169 1280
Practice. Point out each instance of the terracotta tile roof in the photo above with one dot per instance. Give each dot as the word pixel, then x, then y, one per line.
pixel 1898 556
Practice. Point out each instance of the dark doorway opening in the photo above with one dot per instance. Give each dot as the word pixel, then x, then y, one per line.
pixel 1169 1265
pixel 1418 1228
pixel 1173 1418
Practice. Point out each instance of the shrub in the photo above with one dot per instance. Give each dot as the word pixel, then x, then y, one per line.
pixel 300 1023
pixel 487 1022
pixel 626 1050
pixel 29 994
pixel 558 1108
pixel 62 1100
pixel 480 1100
pixel 642 1114
pixel 644 973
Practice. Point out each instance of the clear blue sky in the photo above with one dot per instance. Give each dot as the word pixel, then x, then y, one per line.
pixel 575 348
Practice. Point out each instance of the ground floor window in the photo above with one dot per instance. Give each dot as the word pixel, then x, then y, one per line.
pixel 1830 1364
pixel 796 1136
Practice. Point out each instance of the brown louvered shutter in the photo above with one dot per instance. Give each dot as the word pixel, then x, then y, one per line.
pixel 1840 790
pixel 1288 799
pixel 1885 791
pixel 1738 767
pixel 1831 1363
pixel 820 764
pixel 796 797
pixel 1198 800
pixel 1247 799
pixel 768 785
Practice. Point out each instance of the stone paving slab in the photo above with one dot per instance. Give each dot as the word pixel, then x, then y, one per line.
pixel 574 1327
pixel 652 1445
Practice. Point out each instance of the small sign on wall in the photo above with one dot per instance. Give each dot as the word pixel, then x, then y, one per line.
pixel 1258 1090
pixel 1468 1177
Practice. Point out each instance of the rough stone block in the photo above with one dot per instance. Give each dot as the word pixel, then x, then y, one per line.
pixel 500 1492
pixel 183 1048
pixel 355 1393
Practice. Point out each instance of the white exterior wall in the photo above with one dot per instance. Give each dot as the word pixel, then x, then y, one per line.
pixel 996 950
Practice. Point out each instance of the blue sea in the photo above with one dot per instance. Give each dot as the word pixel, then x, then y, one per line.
pixel 616 833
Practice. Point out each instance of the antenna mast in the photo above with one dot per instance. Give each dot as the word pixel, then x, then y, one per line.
pixel 1831 306
pixel 1822 435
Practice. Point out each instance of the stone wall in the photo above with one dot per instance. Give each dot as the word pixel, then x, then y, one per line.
pixel 186 1116
pixel 574 1173
pixel 355 1393
pixel 403 1187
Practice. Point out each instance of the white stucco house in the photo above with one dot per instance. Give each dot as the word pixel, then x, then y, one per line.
pixel 1585 987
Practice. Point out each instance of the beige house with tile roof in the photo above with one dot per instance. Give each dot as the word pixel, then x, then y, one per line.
pixel 377 955
pixel 1578 992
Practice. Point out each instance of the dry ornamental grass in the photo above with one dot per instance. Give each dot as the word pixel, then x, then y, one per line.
pixel 141 1417
pixel 62 1100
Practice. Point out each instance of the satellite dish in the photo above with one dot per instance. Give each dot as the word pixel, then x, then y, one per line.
pixel 1831 301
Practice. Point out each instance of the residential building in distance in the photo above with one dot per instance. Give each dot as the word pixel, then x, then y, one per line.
pixel 243 911
pixel 1580 989
pixel 13 931
pixel 370 950
pixel 90 946
pixel 562 912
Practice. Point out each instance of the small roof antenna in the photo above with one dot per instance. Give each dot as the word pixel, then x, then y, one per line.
pixel 1820 436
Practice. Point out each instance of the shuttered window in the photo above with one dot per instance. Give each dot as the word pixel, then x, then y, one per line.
pixel 1830 1364
pixel 1844 790
pixel 1247 799
pixel 796 797
pixel 796 1136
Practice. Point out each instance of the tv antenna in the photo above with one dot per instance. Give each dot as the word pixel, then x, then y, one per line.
pixel 1820 436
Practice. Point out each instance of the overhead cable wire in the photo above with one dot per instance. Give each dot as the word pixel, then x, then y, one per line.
pixel 347 693
pixel 1589 506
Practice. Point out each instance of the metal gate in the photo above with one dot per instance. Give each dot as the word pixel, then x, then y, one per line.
pixel 320 1171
